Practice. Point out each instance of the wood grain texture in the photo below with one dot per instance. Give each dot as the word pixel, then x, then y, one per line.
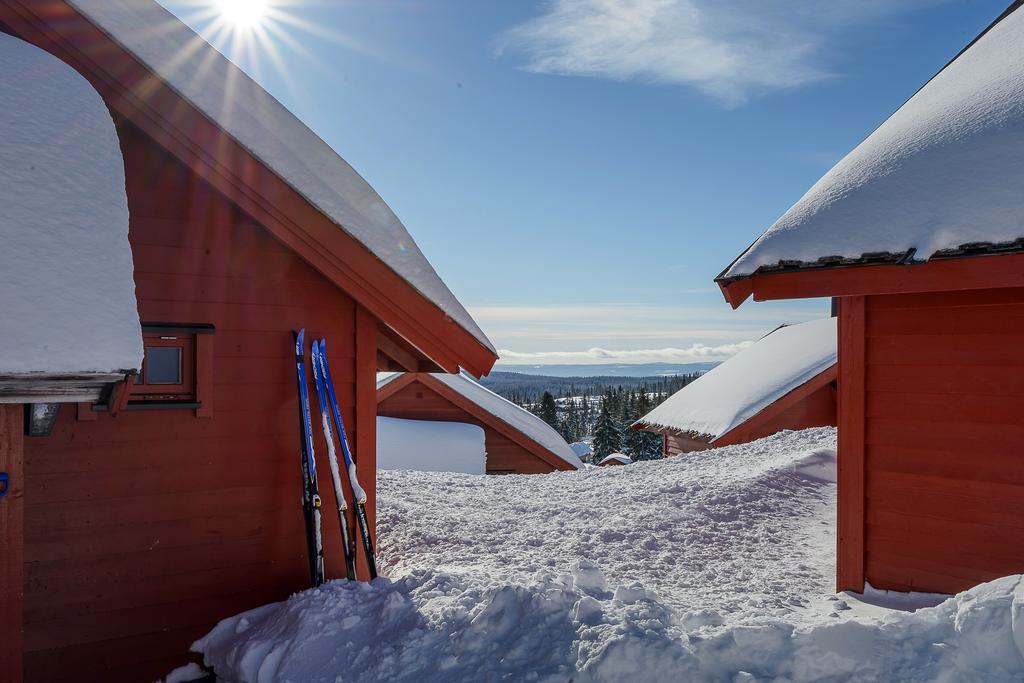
pixel 12 542
pixel 164 522
pixel 850 537
pixel 944 413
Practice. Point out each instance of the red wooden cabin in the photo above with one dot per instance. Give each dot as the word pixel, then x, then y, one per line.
pixel 517 441
pixel 919 233
pixel 785 380
pixel 158 509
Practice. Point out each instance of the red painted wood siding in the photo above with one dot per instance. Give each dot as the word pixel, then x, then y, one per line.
pixel 418 402
pixel 677 444
pixel 816 410
pixel 944 435
pixel 12 527
pixel 144 530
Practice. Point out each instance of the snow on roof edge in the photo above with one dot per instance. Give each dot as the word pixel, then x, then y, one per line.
pixel 726 396
pixel 955 94
pixel 421 276
pixel 514 416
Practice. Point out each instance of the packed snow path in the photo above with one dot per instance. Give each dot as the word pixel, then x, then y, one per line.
pixel 710 566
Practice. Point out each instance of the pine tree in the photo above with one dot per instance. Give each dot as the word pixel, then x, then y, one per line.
pixel 548 410
pixel 607 436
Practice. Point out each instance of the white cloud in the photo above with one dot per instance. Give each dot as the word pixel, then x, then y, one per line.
pixel 728 49
pixel 670 333
pixel 692 354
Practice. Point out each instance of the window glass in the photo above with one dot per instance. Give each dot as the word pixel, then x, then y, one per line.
pixel 163 365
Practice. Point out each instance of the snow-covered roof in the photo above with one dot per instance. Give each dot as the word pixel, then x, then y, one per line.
pixel 620 458
pixel 942 172
pixel 580 448
pixel 261 124
pixel 741 387
pixel 67 295
pixel 519 419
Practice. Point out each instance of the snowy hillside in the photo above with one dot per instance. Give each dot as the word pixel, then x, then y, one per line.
pixel 714 566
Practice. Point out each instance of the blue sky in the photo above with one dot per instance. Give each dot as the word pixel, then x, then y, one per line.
pixel 578 171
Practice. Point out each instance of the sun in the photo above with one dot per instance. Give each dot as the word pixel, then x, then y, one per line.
pixel 243 14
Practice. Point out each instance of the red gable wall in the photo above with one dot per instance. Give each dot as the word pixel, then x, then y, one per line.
pixel 931 429
pixel 142 531
pixel 419 402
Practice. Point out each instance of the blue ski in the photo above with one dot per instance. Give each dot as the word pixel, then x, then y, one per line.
pixel 358 494
pixel 347 542
pixel 310 494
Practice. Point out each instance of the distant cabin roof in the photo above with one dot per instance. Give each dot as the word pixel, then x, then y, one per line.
pixel 67 296
pixel 263 126
pixel 581 449
pixel 741 387
pixel 941 176
pixel 616 457
pixel 522 420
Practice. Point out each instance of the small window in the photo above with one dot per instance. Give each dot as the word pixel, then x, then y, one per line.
pixel 168 368
pixel 176 368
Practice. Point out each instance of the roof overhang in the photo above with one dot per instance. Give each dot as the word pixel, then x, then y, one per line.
pixel 135 93
pixel 41 387
pixel 936 275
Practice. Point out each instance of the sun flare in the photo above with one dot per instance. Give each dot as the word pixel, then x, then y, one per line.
pixel 243 14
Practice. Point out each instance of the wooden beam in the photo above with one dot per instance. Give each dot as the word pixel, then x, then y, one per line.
pixel 850 559
pixel 954 274
pixel 366 420
pixel 405 359
pixel 12 541
pixel 204 374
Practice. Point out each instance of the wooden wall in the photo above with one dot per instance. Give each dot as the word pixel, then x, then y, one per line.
pixel 419 402
pixel 942 438
pixel 673 443
pixel 142 531
pixel 12 529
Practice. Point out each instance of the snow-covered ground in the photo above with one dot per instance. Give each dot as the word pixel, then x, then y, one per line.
pixel 714 566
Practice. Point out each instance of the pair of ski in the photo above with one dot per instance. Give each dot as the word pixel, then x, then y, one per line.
pixel 311 502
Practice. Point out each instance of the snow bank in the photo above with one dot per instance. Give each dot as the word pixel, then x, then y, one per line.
pixel 500 407
pixel 941 172
pixel 741 387
pixel 222 91
pixel 430 446
pixel 718 566
pixel 67 295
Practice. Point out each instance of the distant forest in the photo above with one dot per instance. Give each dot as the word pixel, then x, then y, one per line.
pixel 526 389
pixel 595 410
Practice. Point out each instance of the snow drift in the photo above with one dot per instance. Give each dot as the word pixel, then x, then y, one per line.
pixel 430 446
pixel 67 295
pixel 717 566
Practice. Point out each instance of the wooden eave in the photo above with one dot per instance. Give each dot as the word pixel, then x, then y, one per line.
pixel 990 271
pixel 46 387
pixel 474 409
pixel 134 92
